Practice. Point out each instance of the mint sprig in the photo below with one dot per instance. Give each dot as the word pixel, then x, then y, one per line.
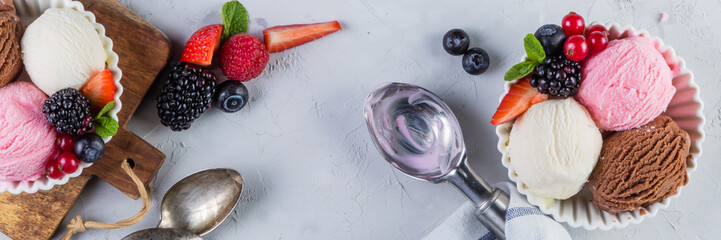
pixel 534 49
pixel 105 126
pixel 105 109
pixel 519 70
pixel 535 53
pixel 235 19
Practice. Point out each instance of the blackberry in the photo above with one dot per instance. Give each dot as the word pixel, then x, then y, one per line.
pixel 557 76
pixel 185 95
pixel 69 112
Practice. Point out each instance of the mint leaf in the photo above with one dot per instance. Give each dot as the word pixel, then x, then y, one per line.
pixel 534 49
pixel 105 109
pixel 106 127
pixel 519 70
pixel 235 19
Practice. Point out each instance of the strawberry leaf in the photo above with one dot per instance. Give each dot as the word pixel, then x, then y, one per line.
pixel 235 19
pixel 106 127
pixel 519 70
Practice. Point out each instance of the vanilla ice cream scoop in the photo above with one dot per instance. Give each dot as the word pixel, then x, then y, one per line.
pixel 554 147
pixel 61 49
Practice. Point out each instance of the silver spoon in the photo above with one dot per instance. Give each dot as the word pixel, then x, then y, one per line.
pixel 420 136
pixel 163 233
pixel 198 203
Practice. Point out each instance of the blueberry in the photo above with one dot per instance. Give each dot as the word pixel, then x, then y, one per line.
pixel 456 42
pixel 89 147
pixel 552 38
pixel 475 61
pixel 231 96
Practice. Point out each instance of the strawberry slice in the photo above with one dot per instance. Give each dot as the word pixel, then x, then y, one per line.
pixel 539 98
pixel 280 38
pixel 518 99
pixel 202 45
pixel 100 90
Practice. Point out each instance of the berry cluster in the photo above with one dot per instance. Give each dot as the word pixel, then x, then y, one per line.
pixel 557 77
pixel 475 60
pixel 70 112
pixel 552 68
pixel 243 57
pixel 578 45
pixel 572 38
pixel 88 148
pixel 565 46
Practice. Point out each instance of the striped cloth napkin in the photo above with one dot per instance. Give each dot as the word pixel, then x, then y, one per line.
pixel 523 222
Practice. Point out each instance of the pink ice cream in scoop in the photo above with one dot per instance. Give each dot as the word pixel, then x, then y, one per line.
pixel 626 85
pixel 27 140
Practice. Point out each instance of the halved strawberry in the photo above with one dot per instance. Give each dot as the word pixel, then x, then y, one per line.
pixel 202 45
pixel 100 90
pixel 539 98
pixel 280 38
pixel 518 99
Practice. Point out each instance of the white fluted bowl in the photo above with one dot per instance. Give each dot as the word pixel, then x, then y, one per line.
pixel 685 108
pixel 29 10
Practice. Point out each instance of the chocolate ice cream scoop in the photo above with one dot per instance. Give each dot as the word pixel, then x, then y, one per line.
pixel 11 30
pixel 641 166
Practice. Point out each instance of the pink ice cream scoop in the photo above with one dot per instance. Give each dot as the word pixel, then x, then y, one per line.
pixel 626 85
pixel 27 140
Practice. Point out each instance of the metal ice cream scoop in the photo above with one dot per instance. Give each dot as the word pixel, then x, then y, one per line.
pixel 196 205
pixel 420 136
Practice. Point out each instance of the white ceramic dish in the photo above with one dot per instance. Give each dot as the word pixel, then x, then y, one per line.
pixel 685 108
pixel 29 10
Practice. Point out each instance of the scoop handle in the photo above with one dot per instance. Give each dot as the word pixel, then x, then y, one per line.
pixel 493 213
pixel 491 204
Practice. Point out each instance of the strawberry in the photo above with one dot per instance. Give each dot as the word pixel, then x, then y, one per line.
pixel 539 98
pixel 518 99
pixel 202 45
pixel 280 38
pixel 100 89
pixel 243 57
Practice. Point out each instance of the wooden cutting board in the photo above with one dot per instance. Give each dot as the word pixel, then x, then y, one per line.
pixel 143 50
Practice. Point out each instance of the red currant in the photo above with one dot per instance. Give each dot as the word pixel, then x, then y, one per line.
pixel 576 48
pixel 596 28
pixel 68 162
pixel 52 171
pixel 597 41
pixel 573 24
pixel 65 143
